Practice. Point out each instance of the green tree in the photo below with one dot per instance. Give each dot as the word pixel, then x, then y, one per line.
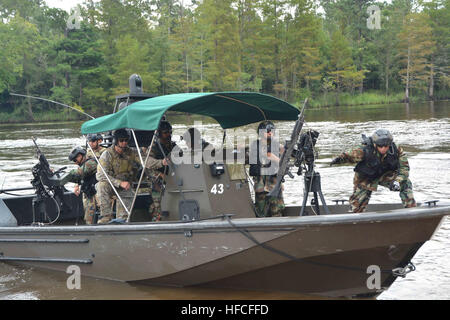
pixel 415 48
pixel 222 43
pixel 132 58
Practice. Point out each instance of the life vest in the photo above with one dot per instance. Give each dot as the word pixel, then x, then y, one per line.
pixel 371 167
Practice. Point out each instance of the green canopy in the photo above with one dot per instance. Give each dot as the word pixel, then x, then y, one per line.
pixel 230 109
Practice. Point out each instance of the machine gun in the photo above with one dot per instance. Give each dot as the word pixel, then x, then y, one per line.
pixel 47 186
pixel 305 156
pixel 284 165
pixel 304 153
pixel 301 148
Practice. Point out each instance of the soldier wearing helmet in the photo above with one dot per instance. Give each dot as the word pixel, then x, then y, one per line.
pixel 94 141
pixel 84 176
pixel 379 162
pixel 120 163
pixel 264 159
pixel 157 167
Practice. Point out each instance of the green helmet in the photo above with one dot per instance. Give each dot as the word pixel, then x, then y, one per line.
pixel 382 137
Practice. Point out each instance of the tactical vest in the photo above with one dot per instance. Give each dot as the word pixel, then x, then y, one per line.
pixel 371 167
pixel 255 169
pixel 159 155
pixel 88 183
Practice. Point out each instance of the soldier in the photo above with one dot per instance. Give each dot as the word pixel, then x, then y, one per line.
pixel 120 163
pixel 379 162
pixel 94 141
pixel 84 175
pixel 264 161
pixel 158 167
pixel 193 139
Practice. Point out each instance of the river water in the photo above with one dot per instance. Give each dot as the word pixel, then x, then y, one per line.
pixel 423 130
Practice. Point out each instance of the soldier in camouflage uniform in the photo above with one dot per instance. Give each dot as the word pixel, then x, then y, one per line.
pixel 85 176
pixel 120 163
pixel 379 162
pixel 94 142
pixel 157 167
pixel 264 183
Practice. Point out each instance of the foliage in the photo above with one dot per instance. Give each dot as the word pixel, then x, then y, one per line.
pixel 288 48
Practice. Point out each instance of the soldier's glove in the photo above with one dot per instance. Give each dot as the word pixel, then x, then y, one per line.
pixel 337 160
pixel 394 186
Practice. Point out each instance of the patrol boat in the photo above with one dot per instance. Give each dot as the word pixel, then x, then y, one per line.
pixel 209 235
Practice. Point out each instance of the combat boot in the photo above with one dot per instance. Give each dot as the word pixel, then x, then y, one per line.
pixel 105 219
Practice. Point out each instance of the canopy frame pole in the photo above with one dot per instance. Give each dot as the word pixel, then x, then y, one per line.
pixel 137 147
pixel 143 168
pixel 243 102
pixel 107 178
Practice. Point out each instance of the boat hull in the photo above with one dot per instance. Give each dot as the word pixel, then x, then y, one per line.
pixel 327 255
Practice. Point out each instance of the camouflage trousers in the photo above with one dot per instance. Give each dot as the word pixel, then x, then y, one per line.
pixel 361 193
pixel 267 206
pixel 90 206
pixel 155 207
pixel 105 194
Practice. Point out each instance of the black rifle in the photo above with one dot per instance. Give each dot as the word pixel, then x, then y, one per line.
pixel 284 165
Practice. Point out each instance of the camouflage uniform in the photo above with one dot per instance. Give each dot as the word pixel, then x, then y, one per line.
pixel 156 172
pixel 363 187
pixel 119 168
pixel 263 184
pixel 87 169
pixel 97 152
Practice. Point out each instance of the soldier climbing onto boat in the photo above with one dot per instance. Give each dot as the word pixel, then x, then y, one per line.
pixel 158 166
pixel 94 141
pixel 263 169
pixel 84 176
pixel 120 164
pixel 379 162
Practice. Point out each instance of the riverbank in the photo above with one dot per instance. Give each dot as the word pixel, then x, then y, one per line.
pixel 370 98
pixel 40 117
pixel 323 101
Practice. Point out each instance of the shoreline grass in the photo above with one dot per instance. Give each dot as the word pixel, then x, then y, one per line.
pixel 323 101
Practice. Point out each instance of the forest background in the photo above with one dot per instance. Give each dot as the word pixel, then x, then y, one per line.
pixel 334 52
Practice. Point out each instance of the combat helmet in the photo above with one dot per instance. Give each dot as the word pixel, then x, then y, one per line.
pixel 382 137
pixel 75 152
pixel 164 126
pixel 91 137
pixel 266 125
pixel 120 134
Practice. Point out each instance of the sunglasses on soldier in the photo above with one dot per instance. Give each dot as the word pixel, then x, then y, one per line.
pixel 123 139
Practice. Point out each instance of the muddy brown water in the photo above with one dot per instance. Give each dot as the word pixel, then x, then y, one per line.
pixel 422 129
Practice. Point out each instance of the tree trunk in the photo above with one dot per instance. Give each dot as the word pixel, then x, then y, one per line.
pixel 407 76
pixel 431 84
pixel 30 110
pixel 81 94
